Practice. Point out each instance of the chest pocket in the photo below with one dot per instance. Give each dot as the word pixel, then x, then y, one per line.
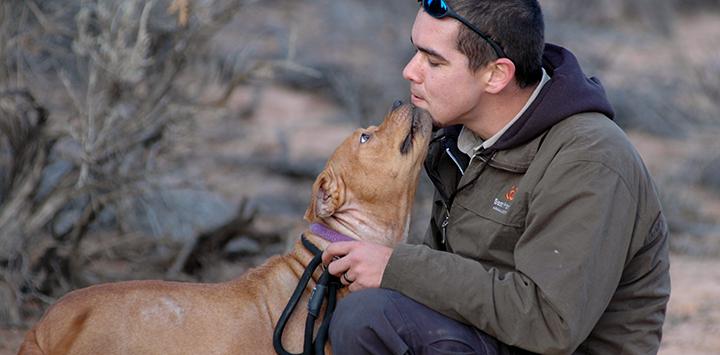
pixel 488 217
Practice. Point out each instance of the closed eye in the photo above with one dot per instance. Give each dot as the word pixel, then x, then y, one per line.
pixel 364 137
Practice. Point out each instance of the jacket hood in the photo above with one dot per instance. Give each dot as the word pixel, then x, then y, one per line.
pixel 568 92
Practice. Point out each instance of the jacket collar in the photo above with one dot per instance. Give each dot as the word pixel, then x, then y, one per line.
pixel 516 160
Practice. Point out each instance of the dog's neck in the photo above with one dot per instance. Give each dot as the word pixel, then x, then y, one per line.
pixel 323 232
pixel 321 236
pixel 351 222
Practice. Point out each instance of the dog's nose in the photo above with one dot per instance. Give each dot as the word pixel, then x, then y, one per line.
pixel 397 104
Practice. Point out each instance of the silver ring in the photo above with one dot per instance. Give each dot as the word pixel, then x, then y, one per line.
pixel 345 277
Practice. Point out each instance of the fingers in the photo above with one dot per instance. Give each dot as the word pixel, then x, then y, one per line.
pixel 338 262
pixel 358 264
pixel 345 279
pixel 348 281
pixel 338 249
pixel 339 267
pixel 354 287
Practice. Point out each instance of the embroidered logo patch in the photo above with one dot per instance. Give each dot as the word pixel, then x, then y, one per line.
pixel 510 195
pixel 502 206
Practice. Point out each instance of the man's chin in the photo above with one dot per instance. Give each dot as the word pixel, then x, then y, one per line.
pixel 421 103
pixel 437 125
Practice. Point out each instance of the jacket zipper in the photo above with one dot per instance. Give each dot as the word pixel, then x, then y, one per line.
pixel 446 220
pixel 440 188
pixel 435 179
pixel 443 226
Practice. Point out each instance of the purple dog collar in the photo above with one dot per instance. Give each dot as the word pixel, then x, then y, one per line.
pixel 329 234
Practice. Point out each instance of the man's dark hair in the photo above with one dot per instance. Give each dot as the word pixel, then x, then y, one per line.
pixel 516 25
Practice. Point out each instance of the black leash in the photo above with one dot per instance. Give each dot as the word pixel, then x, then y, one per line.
pixel 328 285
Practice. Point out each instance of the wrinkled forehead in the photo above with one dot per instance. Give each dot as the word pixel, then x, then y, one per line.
pixel 345 154
pixel 394 127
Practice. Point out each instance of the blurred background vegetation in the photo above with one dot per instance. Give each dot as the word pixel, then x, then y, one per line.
pixel 178 139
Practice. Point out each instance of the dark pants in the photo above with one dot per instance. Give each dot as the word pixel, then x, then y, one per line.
pixel 381 321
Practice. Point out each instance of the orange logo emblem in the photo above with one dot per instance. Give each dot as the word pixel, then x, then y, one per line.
pixel 510 195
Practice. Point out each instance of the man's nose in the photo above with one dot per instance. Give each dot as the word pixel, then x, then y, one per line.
pixel 411 72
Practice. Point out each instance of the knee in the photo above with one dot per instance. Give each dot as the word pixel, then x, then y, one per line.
pixel 360 310
pixel 381 321
pixel 360 318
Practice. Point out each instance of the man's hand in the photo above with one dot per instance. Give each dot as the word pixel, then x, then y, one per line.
pixel 359 265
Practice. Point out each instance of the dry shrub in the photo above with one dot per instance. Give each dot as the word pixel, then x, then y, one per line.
pixel 650 15
pixel 88 106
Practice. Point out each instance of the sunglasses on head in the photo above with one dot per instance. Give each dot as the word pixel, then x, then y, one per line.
pixel 439 9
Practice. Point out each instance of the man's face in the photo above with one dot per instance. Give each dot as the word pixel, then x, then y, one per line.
pixel 440 79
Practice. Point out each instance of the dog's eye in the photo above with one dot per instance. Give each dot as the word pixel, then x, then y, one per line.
pixel 364 137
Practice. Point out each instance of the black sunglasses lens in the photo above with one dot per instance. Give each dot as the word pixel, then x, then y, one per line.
pixel 435 8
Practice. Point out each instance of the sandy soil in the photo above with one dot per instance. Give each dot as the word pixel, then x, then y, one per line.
pixel 693 321
pixel 692 326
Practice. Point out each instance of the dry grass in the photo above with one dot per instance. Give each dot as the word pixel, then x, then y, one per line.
pixel 90 107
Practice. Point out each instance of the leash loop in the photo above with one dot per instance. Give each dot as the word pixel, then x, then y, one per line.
pixel 326 286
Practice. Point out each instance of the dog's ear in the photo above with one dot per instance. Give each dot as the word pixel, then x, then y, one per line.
pixel 327 196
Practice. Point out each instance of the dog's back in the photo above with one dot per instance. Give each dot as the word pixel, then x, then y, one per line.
pixel 144 317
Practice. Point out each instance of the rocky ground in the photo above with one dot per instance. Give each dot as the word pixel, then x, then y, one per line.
pixel 693 321
pixel 694 313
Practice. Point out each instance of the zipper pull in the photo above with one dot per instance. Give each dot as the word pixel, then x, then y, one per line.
pixel 443 227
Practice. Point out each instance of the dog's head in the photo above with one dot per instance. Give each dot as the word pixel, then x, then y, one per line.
pixel 373 174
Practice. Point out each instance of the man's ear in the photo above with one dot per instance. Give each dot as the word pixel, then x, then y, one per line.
pixel 327 196
pixel 502 72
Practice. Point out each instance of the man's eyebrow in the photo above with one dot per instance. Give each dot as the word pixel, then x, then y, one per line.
pixel 428 51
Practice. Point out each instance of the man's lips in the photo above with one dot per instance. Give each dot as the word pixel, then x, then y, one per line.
pixel 415 98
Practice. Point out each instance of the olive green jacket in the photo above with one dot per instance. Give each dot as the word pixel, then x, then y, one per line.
pixel 556 246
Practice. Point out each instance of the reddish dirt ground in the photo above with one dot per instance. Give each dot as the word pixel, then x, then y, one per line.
pixel 691 328
pixel 693 321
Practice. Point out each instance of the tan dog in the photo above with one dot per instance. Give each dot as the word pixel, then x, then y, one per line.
pixel 365 191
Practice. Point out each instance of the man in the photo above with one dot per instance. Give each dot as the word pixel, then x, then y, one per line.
pixel 546 233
